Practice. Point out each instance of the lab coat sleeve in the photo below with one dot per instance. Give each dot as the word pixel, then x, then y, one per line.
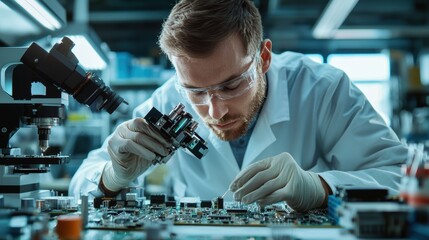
pixel 87 177
pixel 358 146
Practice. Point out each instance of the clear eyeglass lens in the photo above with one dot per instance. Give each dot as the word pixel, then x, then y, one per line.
pixel 229 90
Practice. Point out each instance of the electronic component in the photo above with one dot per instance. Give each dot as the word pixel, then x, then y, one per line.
pixel 333 203
pixel 170 204
pixel 28 203
pixel 375 220
pixel 178 127
pixel 59 202
pixel 157 199
pixel 218 203
pixel 206 204
pixel 368 212
pixel 23 224
pixel 84 209
pixel 350 193
pixel 69 227
pixel 418 223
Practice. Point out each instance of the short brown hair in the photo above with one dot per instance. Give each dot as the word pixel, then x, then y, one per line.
pixel 195 27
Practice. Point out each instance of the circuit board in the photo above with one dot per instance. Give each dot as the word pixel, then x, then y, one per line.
pixel 159 217
pixel 119 215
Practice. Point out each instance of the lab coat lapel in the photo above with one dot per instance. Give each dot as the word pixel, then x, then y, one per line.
pixel 275 110
pixel 262 137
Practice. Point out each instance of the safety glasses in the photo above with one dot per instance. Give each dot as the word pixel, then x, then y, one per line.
pixel 227 90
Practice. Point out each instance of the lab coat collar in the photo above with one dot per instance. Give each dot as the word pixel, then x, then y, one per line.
pixel 276 107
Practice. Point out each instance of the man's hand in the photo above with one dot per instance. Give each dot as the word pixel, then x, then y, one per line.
pixel 132 148
pixel 276 179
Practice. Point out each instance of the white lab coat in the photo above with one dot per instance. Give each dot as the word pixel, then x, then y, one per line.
pixel 312 111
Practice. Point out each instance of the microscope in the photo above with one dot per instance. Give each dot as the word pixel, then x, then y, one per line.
pixel 58 74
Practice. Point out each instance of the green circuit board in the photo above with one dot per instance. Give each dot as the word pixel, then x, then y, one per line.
pixel 120 216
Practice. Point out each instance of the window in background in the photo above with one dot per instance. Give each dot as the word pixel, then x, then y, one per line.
pixel 371 74
pixel 315 57
pixel 424 68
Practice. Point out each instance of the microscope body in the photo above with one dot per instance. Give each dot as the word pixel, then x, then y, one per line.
pixel 19 176
pixel 41 82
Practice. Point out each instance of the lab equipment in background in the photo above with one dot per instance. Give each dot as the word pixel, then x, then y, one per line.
pixel 414 187
pixel 371 213
pixel 414 190
pixel 39 82
pixel 415 126
pixel 135 79
pixel 128 68
pixel 60 68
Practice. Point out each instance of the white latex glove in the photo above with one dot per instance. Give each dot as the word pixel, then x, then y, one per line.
pixel 132 150
pixel 277 179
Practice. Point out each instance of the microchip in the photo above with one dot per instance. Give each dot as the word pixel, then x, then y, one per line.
pixel 157 199
pixel 237 211
pixel 206 204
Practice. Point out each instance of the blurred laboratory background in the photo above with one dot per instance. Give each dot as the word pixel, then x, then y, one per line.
pixel 383 45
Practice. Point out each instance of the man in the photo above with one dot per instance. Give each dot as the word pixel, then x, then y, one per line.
pixel 278 127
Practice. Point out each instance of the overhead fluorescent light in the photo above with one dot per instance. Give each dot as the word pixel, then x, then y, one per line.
pixel 49 14
pixel 382 32
pixel 40 13
pixel 20 27
pixel 332 17
pixel 88 47
pixel 85 52
pixel 24 19
pixel 362 34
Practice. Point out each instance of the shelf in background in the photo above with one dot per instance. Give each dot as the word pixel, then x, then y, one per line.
pixel 136 84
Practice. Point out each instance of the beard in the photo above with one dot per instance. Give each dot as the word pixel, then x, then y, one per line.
pixel 245 120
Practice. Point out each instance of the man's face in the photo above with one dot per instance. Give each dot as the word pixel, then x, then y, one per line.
pixel 228 119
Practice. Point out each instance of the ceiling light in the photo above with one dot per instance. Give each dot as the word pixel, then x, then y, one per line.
pixel 332 17
pixel 20 27
pixel 85 52
pixel 88 47
pixel 382 32
pixel 40 13
pixel 24 19
pixel 367 33
pixel 49 14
